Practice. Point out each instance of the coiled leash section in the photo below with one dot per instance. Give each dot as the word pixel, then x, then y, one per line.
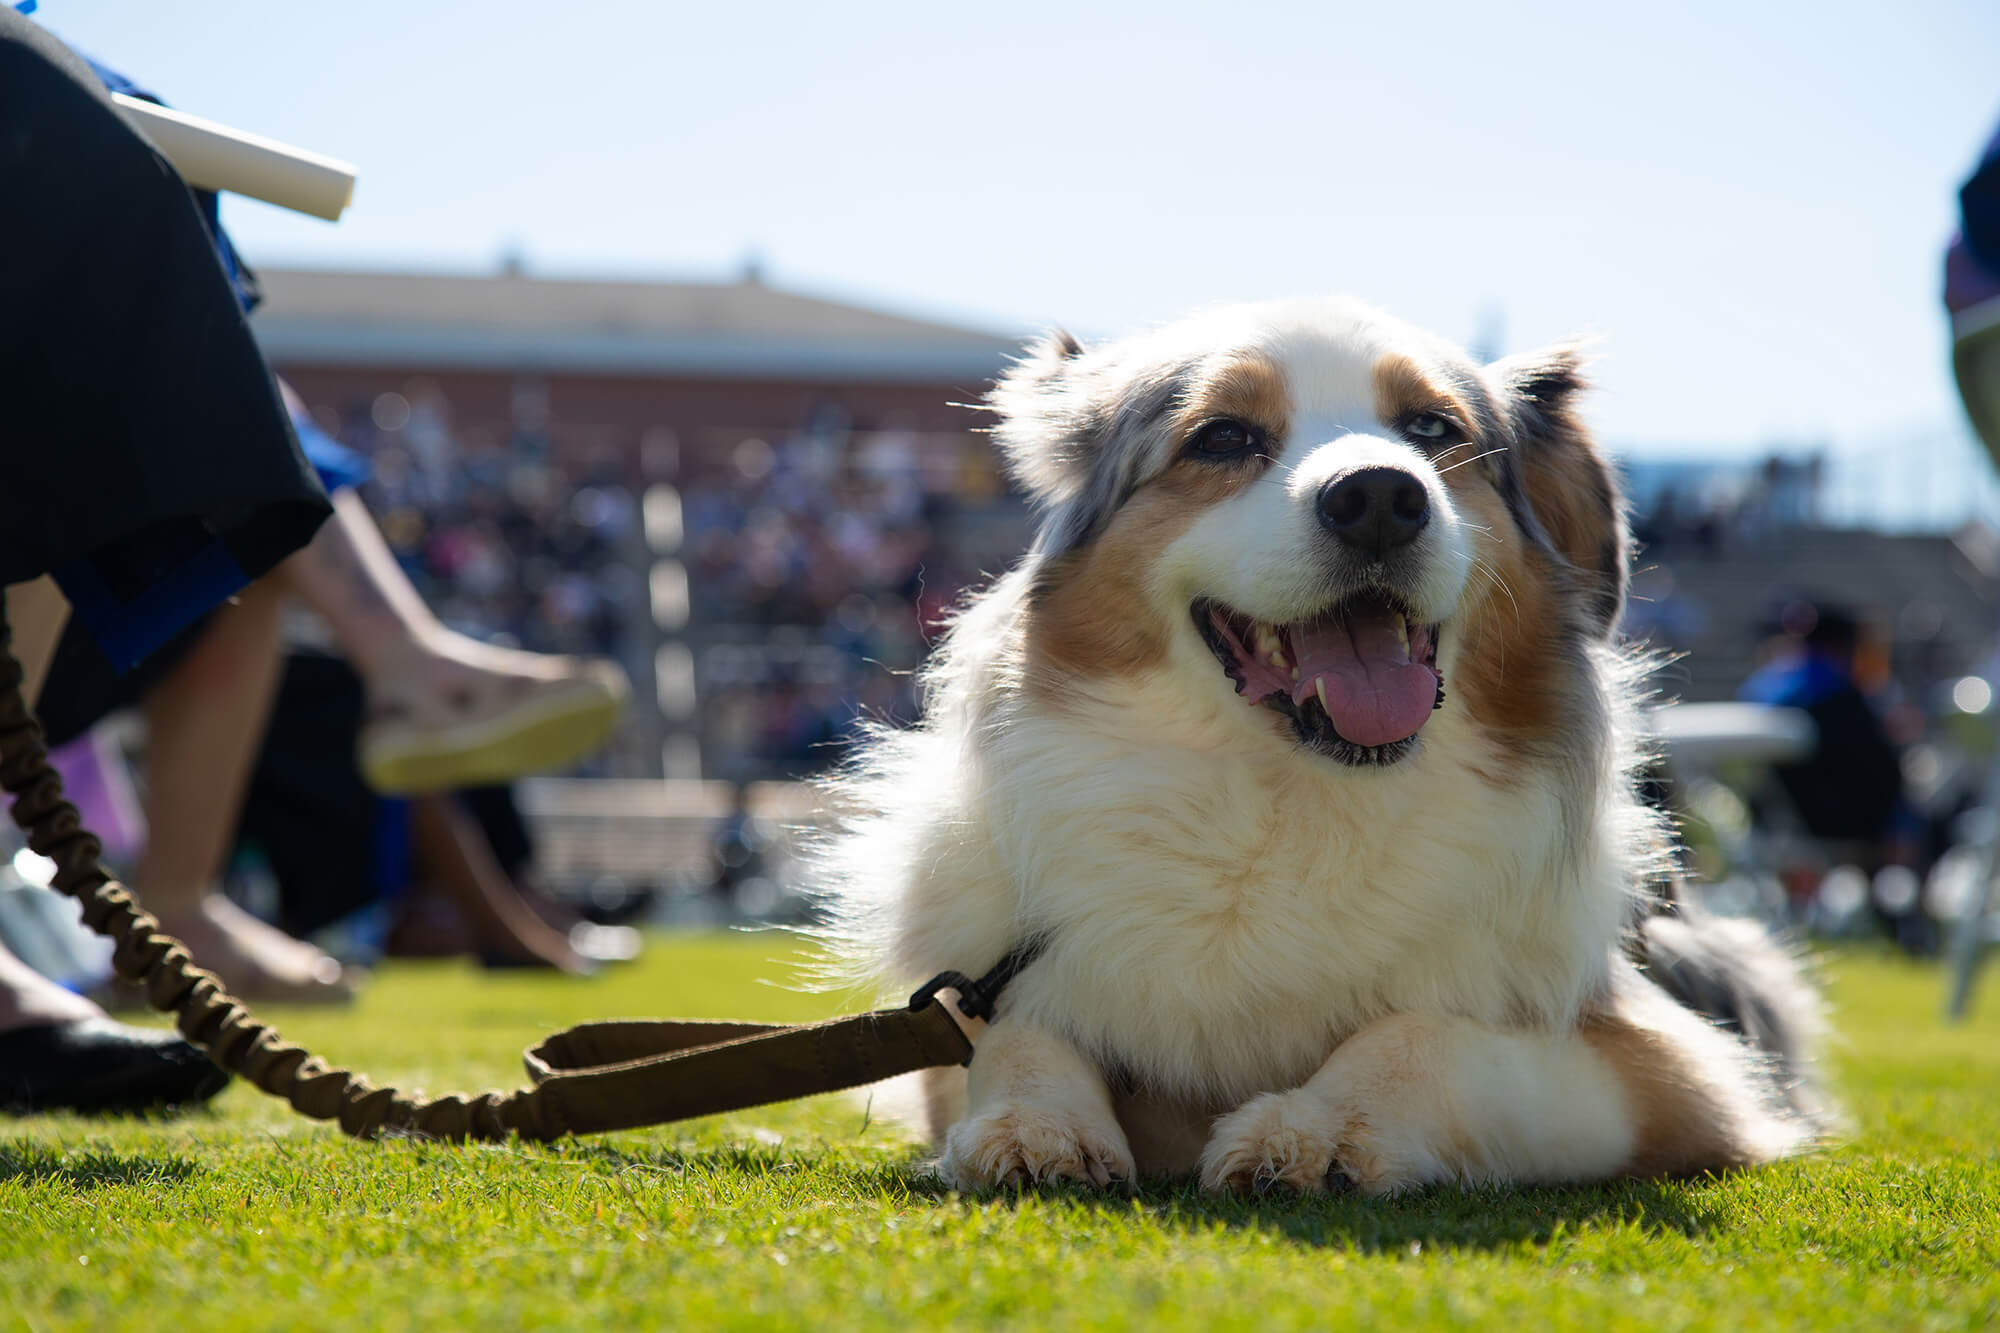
pixel 589 1079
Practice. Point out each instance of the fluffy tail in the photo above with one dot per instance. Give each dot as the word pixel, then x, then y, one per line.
pixel 1733 972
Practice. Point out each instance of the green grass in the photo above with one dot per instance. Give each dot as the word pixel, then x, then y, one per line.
pixel 815 1215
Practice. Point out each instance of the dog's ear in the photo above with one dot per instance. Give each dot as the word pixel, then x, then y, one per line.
pixel 1071 427
pixel 1043 403
pixel 1563 482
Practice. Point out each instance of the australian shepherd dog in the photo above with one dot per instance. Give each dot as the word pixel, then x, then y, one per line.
pixel 1301 748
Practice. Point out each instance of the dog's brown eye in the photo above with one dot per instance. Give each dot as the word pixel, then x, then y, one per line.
pixel 1224 439
pixel 1430 428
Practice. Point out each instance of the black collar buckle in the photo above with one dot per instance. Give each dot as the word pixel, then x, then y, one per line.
pixel 978 999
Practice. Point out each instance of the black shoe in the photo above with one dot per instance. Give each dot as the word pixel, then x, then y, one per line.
pixel 98 1065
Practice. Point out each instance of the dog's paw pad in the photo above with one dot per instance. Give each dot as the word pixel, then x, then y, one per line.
pixel 1027 1146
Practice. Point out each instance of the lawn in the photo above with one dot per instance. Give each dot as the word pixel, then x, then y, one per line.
pixel 819 1215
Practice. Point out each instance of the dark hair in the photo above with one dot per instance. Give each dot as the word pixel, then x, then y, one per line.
pixel 1834 630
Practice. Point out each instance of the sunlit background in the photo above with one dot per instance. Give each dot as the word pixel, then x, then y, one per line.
pixel 653 317
pixel 1746 202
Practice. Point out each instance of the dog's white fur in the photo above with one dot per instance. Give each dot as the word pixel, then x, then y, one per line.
pixel 1263 964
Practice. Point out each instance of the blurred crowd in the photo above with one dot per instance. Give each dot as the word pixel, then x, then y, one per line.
pixel 821 567
pixel 820 562
pixel 1711 510
pixel 506 542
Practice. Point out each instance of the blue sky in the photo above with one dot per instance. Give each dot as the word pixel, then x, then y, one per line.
pixel 1744 203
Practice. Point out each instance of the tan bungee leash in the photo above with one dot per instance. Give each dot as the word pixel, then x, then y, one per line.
pixel 589 1079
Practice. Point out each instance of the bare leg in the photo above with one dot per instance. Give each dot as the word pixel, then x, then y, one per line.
pixel 454 855
pixel 204 722
pixel 350 577
pixel 448 711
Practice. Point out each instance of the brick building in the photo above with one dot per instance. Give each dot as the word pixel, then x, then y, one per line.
pixel 672 399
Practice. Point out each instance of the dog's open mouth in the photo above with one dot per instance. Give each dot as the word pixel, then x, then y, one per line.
pixel 1358 681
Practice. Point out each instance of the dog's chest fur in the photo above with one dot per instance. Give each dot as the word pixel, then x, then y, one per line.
pixel 1218 923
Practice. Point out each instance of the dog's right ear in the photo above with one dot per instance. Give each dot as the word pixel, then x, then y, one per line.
pixel 1046 420
pixel 1073 423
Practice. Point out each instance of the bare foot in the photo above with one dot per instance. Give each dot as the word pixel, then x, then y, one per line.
pixel 432 926
pixel 538 949
pixel 453 853
pixel 254 960
pixel 593 943
pixel 554 913
pixel 443 660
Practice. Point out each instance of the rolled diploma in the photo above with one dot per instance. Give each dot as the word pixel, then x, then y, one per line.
pixel 215 157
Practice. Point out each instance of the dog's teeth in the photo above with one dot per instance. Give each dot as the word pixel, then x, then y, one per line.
pixel 1295 673
pixel 1278 661
pixel 1403 634
pixel 1319 688
pixel 1267 642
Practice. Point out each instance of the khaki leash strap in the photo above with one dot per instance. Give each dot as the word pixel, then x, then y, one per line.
pixel 597 1077
pixel 619 1075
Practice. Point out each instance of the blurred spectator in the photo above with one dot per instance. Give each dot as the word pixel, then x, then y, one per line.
pixel 1849 793
pixel 1850 788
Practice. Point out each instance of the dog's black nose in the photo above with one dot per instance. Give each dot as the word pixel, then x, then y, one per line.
pixel 1375 509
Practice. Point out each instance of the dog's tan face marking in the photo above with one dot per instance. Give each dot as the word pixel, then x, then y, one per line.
pixel 1404 391
pixel 1507 667
pixel 1569 493
pixel 1091 616
pixel 1095 617
pixel 1244 387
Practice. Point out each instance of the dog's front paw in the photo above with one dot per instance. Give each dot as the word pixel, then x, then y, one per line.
pixel 1278 1140
pixel 1026 1145
pixel 1296 1140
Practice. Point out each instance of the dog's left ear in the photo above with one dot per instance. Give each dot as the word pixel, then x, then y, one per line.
pixel 1568 488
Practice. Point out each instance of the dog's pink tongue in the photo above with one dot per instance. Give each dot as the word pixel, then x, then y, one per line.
pixel 1374 693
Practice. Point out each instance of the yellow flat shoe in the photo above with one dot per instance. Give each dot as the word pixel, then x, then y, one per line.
pixel 526 726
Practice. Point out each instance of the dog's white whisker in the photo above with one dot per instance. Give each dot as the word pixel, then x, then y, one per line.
pixel 1494 578
pixel 1474 459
